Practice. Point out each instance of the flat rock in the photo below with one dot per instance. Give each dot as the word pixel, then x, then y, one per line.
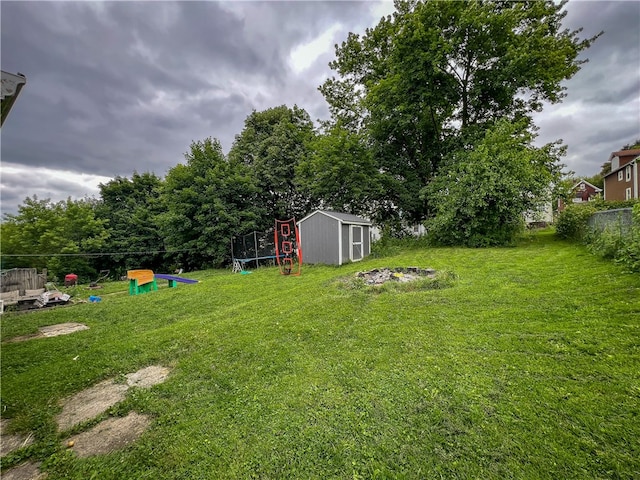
pixel 51 331
pixel 148 376
pixel 109 435
pixel 24 471
pixel 62 329
pixel 90 403
pixel 11 442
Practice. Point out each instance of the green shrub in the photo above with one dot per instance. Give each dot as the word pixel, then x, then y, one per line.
pixel 629 252
pixel 601 204
pixel 606 244
pixel 611 243
pixel 572 222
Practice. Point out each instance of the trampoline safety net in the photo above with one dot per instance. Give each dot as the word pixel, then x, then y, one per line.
pixel 253 248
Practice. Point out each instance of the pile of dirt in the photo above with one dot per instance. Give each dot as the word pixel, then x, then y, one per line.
pixel 378 276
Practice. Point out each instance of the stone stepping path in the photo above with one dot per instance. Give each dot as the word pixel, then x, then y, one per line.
pixel 98 399
pixel 12 442
pixel 109 435
pixel 51 331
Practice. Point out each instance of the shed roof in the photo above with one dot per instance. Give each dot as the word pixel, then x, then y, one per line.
pixel 340 216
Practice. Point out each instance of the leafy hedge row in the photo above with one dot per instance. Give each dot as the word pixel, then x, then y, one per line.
pixel 572 224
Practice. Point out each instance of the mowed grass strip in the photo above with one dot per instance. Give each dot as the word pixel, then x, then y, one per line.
pixel 528 366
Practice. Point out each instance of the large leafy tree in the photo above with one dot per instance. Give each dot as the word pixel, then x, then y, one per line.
pixel 431 79
pixel 61 234
pixel 131 207
pixel 272 144
pixel 207 200
pixel 480 197
pixel 340 173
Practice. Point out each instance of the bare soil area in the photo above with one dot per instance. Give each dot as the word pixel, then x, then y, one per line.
pixel 90 403
pixel 110 435
pixel 95 400
pixel 12 442
pixel 51 331
pixel 25 471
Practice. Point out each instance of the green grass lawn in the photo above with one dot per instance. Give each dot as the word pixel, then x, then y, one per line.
pixel 527 366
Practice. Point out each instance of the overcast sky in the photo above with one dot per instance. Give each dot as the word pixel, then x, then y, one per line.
pixel 118 87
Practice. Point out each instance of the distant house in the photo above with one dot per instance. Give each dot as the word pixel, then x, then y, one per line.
pixel 413 229
pixel 582 191
pixel 334 238
pixel 541 217
pixel 622 182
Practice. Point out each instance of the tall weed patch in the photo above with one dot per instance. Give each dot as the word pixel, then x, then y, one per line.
pixel 613 242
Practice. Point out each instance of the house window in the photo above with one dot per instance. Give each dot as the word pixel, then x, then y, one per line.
pixel 627 194
pixel 620 176
pixel 628 173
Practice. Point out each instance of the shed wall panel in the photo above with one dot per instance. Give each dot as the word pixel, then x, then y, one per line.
pixel 319 238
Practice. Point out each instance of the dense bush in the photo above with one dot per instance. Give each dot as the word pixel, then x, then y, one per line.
pixel 572 222
pixel 611 243
pixel 629 251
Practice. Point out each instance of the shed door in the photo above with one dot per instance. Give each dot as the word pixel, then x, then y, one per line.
pixel 356 243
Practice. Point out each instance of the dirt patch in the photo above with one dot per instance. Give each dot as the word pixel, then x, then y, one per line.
pixel 90 403
pixel 62 329
pixel 110 435
pixel 148 377
pixel 12 442
pixel 51 331
pixel 24 471
pixel 95 400
pixel 378 276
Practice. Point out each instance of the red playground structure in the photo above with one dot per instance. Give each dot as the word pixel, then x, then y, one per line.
pixel 288 249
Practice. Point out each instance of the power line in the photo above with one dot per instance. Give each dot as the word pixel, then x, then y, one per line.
pixel 96 254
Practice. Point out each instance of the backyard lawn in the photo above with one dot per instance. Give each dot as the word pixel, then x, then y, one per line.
pixel 525 364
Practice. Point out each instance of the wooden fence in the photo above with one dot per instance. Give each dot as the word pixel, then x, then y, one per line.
pixel 22 279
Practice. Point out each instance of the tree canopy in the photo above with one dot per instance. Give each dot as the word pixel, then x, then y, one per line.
pixel 206 201
pixel 57 229
pixel 131 207
pixel 434 77
pixel 271 145
pixel 431 121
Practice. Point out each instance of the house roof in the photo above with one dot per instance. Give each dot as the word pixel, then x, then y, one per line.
pixel 623 166
pixel 624 153
pixel 597 189
pixel 340 216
